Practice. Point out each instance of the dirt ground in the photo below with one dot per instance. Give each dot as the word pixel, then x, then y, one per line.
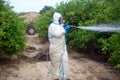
pixel 32 65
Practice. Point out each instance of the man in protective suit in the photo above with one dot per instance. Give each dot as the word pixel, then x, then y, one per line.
pixel 58 51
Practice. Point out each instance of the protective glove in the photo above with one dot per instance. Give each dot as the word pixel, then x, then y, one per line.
pixel 67 27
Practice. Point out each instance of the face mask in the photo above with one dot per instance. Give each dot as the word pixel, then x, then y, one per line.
pixel 61 21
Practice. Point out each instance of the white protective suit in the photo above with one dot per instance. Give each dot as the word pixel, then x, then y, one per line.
pixel 58 52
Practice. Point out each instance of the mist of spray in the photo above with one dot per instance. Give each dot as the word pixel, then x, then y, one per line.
pixel 102 28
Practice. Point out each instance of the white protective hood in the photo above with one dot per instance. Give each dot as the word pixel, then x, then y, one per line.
pixel 56 17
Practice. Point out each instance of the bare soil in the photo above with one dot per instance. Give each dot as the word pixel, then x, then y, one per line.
pixel 32 64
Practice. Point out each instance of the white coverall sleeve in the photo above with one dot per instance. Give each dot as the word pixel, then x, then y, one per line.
pixel 57 31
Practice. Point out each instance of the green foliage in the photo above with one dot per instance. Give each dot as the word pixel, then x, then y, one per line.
pixel 12 38
pixel 2 5
pixel 85 13
pixel 43 22
pixel 80 38
pixel 116 10
pixel 118 67
pixel 46 8
pixel 102 43
pixel 115 49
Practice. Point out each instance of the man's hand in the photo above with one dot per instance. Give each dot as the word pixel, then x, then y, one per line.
pixel 74 26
